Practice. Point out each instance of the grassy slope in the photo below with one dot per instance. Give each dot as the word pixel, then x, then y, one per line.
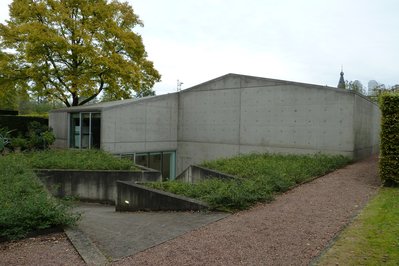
pixel 75 159
pixel 259 177
pixel 25 205
pixel 373 238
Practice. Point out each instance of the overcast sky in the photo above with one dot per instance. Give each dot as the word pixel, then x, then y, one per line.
pixel 304 41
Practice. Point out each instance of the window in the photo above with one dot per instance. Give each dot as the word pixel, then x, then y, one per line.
pixel 165 162
pixel 85 129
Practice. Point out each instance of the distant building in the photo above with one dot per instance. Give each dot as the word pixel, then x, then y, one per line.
pixel 371 86
pixel 395 88
pixel 341 82
pixel 224 117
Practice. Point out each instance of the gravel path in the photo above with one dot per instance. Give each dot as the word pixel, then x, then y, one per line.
pixel 53 249
pixel 291 230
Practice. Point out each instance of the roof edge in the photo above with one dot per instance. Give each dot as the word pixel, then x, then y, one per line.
pixel 280 81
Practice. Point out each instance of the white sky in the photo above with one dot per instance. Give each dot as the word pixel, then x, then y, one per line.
pixel 304 41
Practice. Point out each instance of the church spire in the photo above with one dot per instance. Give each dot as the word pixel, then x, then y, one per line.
pixel 341 83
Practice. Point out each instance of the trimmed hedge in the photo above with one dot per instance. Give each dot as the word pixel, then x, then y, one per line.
pixel 8 112
pixel 19 124
pixel 389 150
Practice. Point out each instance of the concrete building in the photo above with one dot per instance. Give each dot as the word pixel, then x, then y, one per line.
pixel 224 117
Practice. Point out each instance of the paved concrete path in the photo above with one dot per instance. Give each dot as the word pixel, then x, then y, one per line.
pixel 121 234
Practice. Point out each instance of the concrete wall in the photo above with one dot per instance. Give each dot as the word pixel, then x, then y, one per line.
pixel 142 126
pixel 238 114
pixel 366 127
pixel 195 174
pixel 93 186
pixel 134 197
pixel 58 121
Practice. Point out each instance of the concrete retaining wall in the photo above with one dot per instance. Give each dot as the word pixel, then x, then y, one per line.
pixel 92 186
pixel 134 197
pixel 195 173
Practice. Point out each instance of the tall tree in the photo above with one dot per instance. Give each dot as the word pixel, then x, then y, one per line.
pixel 73 50
pixel 355 86
pixel 8 97
pixel 107 97
pixel 145 93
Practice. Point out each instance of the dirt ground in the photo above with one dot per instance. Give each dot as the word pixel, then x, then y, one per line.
pixel 292 230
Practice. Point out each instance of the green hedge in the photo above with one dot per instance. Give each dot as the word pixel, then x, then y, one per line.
pixel 19 123
pixel 8 112
pixel 389 153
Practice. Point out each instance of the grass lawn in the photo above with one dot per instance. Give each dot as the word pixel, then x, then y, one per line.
pixel 75 159
pixel 259 177
pixel 373 238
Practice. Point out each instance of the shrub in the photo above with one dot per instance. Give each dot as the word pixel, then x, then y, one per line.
pixel 40 136
pixel 4 138
pixel 259 177
pixel 76 159
pixel 389 150
pixel 19 143
pixel 25 206
pixel 19 124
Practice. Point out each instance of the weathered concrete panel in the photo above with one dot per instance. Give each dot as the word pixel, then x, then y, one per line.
pixel 93 186
pixel 196 152
pixel 134 197
pixel 274 116
pixel 59 123
pixel 237 114
pixel 196 173
pixel 160 146
pixel 246 149
pixel 145 146
pixel 124 124
pixel 210 116
pixel 161 116
pixel 366 127
pixel 296 117
pixel 248 81
pixel 224 82
pixel 146 125
pixel 126 147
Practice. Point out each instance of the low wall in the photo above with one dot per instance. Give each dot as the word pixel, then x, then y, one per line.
pixel 148 173
pixel 134 197
pixel 92 186
pixel 195 173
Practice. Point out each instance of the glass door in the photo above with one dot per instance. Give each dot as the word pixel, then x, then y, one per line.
pixel 74 131
pixel 95 126
pixel 85 130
